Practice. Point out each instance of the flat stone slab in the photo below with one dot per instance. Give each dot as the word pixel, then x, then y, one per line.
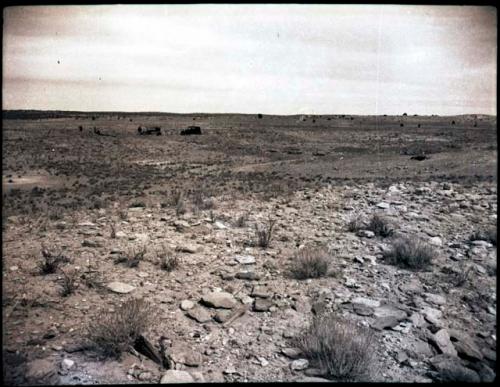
pixel 199 314
pixel 366 302
pixel 176 376
pixel 219 300
pixel 120 287
pixel 245 259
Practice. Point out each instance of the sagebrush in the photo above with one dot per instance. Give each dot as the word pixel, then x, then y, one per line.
pixel 114 332
pixel 339 347
pixel 310 262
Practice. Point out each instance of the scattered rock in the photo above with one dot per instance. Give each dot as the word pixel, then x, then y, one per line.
pixel 176 376
pixel 383 205
pixel 219 300
pixel 262 305
pixel 245 259
pixel 365 233
pixel 248 275
pixel 93 242
pixel 465 345
pixel 385 322
pixel 450 369
pixel 366 302
pixel 299 364
pixel 187 304
pixel 120 287
pixel 436 241
pixel 187 248
pixel 292 353
pixel 199 314
pixel 441 339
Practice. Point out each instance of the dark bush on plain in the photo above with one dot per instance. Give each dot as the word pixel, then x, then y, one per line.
pixel 380 226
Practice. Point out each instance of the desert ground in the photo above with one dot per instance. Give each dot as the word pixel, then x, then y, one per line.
pixel 238 239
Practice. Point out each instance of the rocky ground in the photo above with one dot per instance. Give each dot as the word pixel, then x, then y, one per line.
pixel 229 312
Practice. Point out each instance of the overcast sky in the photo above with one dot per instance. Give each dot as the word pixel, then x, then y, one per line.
pixel 274 59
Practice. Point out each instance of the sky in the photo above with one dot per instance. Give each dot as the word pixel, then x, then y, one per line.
pixel 251 58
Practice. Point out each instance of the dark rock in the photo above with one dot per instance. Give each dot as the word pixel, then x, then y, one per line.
pixel 385 322
pixel 262 305
pixel 248 275
pixel 465 345
pixel 450 369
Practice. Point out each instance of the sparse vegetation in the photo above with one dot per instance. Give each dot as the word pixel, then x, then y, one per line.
pixel 355 223
pixel 410 253
pixel 265 233
pixel 114 332
pixel 241 221
pixel 380 226
pixel 68 283
pixel 51 260
pixel 169 261
pixel 132 257
pixel 310 262
pixel 339 347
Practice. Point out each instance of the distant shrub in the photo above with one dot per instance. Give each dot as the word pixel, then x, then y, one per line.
pixel 310 263
pixel 68 283
pixel 241 220
pixel 132 257
pixel 345 351
pixel 355 223
pixel 380 226
pixel 113 333
pixel 168 260
pixel 410 253
pixel 51 260
pixel 264 233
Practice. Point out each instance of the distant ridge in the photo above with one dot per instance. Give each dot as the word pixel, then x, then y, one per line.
pixel 39 114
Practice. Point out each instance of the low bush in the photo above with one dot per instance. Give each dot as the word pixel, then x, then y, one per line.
pixel 380 226
pixel 345 351
pixel 114 332
pixel 265 233
pixel 310 263
pixel 410 253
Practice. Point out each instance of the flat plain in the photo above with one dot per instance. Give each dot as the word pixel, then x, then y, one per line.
pixel 224 304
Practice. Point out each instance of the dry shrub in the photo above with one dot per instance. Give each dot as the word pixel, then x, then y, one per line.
pixel 68 283
pixel 265 233
pixel 339 347
pixel 51 261
pixel 355 223
pixel 380 226
pixel 310 262
pixel 410 253
pixel 168 260
pixel 132 257
pixel 113 333
pixel 241 220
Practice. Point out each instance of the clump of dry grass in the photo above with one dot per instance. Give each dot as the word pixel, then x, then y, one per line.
pixel 113 333
pixel 380 226
pixel 339 347
pixel 68 283
pixel 265 233
pixel 132 257
pixel 241 220
pixel 169 261
pixel 310 262
pixel 355 223
pixel 51 261
pixel 410 253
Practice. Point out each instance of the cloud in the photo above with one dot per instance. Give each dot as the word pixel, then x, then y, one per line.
pixel 245 58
